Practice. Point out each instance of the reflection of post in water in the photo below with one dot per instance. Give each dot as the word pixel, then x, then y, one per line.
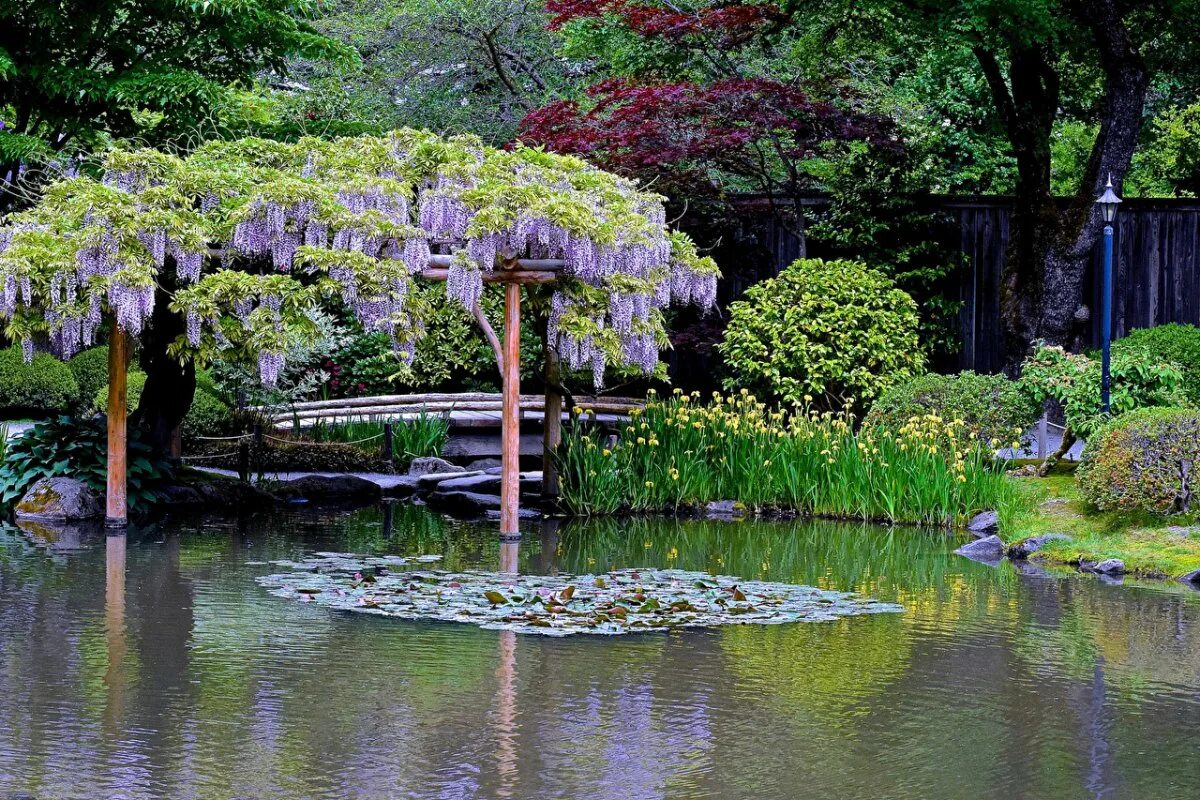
pixel 114 627
pixel 388 522
pixel 506 693
pixel 509 551
pixel 548 558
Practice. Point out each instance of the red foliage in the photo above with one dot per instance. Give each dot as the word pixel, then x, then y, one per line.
pixel 683 131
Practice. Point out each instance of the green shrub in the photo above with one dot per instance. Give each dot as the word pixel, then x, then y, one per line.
pixel 135 382
pixel 90 369
pixel 834 330
pixel 1143 460
pixel 1174 343
pixel 1138 381
pixel 43 385
pixel 291 456
pixel 77 448
pixel 992 406
pixel 207 416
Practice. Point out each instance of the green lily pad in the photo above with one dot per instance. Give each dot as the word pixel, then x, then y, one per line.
pixel 622 601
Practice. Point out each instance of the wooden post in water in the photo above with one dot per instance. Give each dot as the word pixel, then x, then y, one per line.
pixel 552 424
pixel 510 427
pixel 117 511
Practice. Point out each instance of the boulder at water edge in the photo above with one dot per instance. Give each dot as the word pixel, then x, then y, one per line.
pixel 432 464
pixel 984 524
pixel 60 499
pixel 1031 545
pixel 328 487
pixel 988 550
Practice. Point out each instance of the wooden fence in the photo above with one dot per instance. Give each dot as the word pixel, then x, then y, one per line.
pixel 1156 272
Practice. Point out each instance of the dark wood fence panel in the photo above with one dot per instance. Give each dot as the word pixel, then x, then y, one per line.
pixel 1156 272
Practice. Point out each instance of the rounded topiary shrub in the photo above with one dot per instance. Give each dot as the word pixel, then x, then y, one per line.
pixel 134 383
pixel 44 385
pixel 992 406
pixel 1147 459
pixel 1178 344
pixel 829 330
pixel 207 416
pixel 90 369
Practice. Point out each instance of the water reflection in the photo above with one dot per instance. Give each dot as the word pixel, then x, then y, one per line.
pixel 153 666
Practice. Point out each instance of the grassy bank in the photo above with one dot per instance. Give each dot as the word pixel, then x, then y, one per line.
pixel 1148 544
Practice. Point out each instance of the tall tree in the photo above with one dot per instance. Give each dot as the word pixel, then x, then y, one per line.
pixel 473 66
pixel 1021 71
pixel 74 73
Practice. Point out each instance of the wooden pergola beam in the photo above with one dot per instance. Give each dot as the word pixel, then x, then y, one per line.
pixel 498 276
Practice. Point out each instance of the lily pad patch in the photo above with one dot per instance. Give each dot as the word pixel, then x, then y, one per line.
pixel 623 601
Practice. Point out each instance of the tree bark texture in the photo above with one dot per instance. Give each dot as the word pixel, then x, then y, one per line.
pixel 170 385
pixel 1051 242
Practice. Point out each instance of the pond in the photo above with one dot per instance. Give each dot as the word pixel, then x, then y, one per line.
pixel 154 666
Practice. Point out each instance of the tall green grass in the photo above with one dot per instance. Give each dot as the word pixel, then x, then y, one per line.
pixel 417 437
pixel 677 453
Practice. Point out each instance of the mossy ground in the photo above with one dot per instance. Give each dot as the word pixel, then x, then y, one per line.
pixel 1145 542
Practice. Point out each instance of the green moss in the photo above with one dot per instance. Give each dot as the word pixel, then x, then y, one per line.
pixel 1142 540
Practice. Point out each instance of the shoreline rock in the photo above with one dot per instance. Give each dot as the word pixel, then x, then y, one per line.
pixel 60 499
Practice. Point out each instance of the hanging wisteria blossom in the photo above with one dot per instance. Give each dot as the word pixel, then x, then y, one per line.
pixel 242 239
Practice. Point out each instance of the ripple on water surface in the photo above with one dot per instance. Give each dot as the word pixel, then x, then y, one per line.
pixel 178 676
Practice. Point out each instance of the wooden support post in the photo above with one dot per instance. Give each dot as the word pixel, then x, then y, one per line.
pixel 510 431
pixel 389 448
pixel 117 511
pixel 552 424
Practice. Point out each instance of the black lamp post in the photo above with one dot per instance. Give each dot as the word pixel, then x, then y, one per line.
pixel 1107 203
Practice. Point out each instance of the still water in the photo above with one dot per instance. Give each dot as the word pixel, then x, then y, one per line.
pixel 153 666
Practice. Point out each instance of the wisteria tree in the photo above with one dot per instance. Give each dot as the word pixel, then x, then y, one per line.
pixel 224 253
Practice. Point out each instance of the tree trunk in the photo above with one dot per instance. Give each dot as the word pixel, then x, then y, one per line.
pixel 1050 244
pixel 170 385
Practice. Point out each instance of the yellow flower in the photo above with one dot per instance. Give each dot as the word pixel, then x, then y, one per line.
pixel 808 398
pixel 641 440
pixel 607 452
pixel 653 442
pixel 649 484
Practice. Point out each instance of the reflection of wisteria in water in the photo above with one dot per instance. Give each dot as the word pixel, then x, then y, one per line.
pixel 991 685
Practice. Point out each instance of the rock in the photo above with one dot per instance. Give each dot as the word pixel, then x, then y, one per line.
pixel 430 480
pixel 984 524
pixel 198 490
pixel 401 487
pixel 329 487
pixel 485 464
pixel 725 509
pixel 1022 550
pixel 1191 579
pixel 1183 532
pixel 988 550
pixel 487 483
pixel 432 464
pixel 1110 566
pixel 464 503
pixel 60 499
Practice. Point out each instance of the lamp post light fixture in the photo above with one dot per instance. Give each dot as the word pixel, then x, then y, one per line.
pixel 1107 202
